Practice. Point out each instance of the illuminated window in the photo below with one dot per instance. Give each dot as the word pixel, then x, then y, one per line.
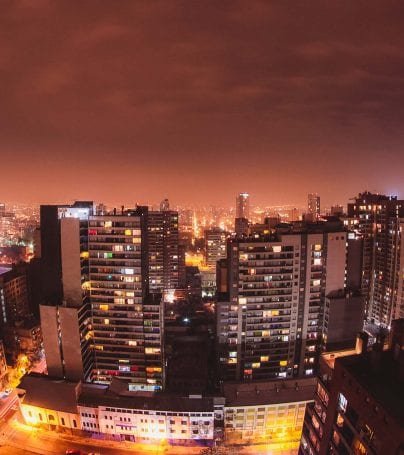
pixel 132 343
pixel 317 261
pixel 242 300
pixel 106 321
pixel 283 363
pixel 153 370
pixel 136 240
pixel 359 448
pixel 256 365
pixel 128 231
pixel 104 307
pixel 317 247
pixel 342 402
pixel 277 249
pixel 264 358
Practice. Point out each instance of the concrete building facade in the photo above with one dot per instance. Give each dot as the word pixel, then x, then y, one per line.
pixel 272 324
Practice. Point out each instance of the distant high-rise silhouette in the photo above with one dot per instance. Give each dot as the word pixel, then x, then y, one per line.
pixel 243 206
pixel 313 206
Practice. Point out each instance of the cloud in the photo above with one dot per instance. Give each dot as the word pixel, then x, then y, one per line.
pixel 212 79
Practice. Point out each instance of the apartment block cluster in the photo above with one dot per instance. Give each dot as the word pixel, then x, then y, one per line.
pixel 286 295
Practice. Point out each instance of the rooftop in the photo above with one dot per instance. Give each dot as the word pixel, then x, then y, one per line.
pixel 380 378
pixel 49 393
pixel 269 392
pixel 330 357
pixel 117 395
pixel 4 270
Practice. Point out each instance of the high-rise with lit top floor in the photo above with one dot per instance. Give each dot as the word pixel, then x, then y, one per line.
pixel 100 320
pixel 65 310
pixel 243 206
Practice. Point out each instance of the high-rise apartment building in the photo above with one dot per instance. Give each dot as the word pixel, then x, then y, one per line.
pixel 378 220
pixel 313 206
pixel 164 205
pixel 215 246
pixel 65 311
pixel 241 227
pixel 164 256
pixel 274 320
pixel 14 304
pixel 243 206
pixel 126 320
pixel 99 320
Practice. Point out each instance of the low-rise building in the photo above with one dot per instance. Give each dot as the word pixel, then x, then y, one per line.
pixel 112 412
pixel 269 412
pixel 50 403
pixel 146 416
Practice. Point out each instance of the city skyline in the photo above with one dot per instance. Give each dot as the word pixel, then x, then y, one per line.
pixel 301 204
pixel 147 101
pixel 201 227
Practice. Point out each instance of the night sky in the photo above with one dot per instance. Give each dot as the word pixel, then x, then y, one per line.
pixel 126 101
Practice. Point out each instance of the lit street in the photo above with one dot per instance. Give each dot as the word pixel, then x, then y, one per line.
pixel 17 438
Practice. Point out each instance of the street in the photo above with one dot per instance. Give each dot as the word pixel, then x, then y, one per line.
pixel 21 439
